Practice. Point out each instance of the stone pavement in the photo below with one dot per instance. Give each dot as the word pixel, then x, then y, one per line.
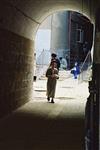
pixel 67 88
pixel 39 125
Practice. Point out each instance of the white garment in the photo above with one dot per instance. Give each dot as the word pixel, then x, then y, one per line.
pixel 63 63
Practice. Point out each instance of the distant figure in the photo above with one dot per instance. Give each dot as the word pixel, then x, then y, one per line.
pixel 52 75
pixel 63 63
pixel 76 70
pixel 54 57
pixel 68 61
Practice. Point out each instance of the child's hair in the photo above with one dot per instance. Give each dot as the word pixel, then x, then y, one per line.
pixel 53 55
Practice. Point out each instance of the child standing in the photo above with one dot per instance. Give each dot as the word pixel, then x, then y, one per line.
pixel 52 75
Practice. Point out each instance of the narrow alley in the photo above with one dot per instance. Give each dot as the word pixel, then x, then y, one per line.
pixel 27 120
pixel 40 125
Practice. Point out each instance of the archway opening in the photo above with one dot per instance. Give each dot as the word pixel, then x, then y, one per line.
pixel 69 34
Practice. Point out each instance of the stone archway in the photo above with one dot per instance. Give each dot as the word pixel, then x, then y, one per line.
pixel 18 25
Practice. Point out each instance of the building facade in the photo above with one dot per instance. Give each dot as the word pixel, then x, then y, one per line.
pixel 71 36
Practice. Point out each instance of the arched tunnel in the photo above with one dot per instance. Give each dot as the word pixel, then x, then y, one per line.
pixel 19 21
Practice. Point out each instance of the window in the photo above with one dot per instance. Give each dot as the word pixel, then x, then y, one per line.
pixel 80 35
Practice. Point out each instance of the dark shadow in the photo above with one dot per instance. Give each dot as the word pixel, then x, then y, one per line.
pixel 66 98
pixel 29 130
pixel 40 90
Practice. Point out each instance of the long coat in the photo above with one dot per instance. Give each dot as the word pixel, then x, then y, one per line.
pixel 51 82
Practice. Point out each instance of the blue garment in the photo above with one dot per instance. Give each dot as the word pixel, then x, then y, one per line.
pixel 75 71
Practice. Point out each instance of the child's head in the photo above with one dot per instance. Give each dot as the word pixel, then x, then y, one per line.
pixel 76 63
pixel 53 64
pixel 53 55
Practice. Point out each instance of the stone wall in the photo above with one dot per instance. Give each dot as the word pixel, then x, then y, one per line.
pixel 16 73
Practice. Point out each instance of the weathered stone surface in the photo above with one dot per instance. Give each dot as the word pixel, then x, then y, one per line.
pixel 16 70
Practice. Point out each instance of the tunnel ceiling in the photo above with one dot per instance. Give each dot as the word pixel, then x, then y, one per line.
pixel 39 9
pixel 25 16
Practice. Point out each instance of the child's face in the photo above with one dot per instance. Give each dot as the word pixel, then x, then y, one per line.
pixel 54 64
